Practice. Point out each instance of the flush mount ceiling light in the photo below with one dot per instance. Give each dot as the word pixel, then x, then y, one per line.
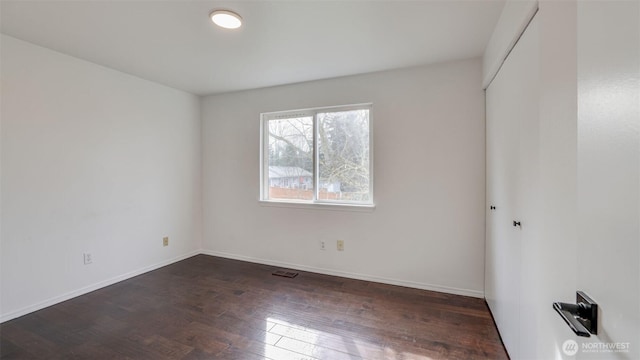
pixel 226 19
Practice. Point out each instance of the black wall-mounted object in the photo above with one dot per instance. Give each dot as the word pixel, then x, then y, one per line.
pixel 492 207
pixel 516 223
pixel 581 317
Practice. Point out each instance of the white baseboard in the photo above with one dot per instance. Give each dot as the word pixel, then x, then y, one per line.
pixel 411 284
pixel 87 289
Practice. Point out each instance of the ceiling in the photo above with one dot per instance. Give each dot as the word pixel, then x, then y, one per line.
pixel 281 42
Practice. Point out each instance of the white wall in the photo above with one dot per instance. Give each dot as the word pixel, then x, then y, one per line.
pixel 589 156
pixel 514 18
pixel 547 267
pixel 608 171
pixel 427 228
pixel 93 160
pixel 549 271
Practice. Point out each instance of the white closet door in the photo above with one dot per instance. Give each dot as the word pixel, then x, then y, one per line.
pixel 512 141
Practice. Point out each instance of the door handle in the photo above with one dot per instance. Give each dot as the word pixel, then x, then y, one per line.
pixel 582 317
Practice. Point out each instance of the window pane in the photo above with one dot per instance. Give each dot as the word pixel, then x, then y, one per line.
pixel 291 158
pixel 343 155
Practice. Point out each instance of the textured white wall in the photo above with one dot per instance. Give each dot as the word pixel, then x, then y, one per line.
pixel 608 171
pixel 427 229
pixel 93 160
pixel 589 154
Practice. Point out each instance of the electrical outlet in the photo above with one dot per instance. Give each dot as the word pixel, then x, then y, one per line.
pixel 165 241
pixel 340 245
pixel 323 245
pixel 88 259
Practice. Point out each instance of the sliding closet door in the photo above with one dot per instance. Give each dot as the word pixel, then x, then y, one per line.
pixel 512 143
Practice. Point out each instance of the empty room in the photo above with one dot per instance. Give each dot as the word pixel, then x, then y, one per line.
pixel 403 180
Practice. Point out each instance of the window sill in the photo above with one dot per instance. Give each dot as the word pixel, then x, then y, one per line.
pixel 319 206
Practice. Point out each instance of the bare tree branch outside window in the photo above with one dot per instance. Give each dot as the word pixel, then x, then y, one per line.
pixel 343 159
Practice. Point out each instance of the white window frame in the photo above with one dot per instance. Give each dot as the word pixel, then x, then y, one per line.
pixel 312 112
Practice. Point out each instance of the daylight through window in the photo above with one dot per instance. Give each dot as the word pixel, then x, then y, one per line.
pixel 318 156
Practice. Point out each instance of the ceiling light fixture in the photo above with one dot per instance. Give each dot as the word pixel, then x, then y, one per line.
pixel 226 19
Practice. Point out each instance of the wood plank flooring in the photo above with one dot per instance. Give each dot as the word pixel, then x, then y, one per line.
pixel 206 307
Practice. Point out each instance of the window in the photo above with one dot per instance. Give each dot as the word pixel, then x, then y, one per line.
pixel 320 155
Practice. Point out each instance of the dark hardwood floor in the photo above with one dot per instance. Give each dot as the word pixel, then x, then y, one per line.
pixel 213 308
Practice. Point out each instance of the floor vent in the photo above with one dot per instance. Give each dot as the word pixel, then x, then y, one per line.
pixel 285 273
